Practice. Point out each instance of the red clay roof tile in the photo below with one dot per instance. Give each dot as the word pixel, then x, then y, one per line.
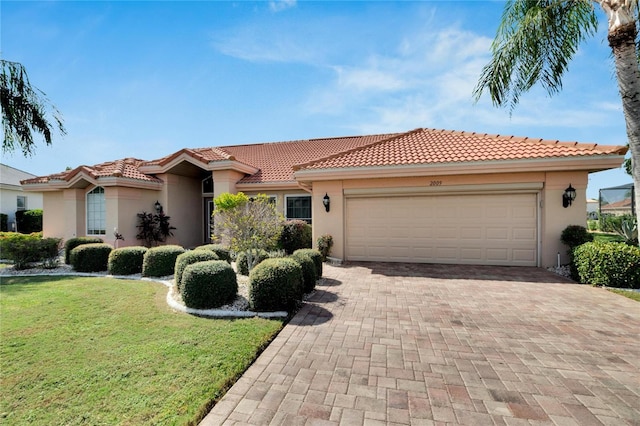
pixel 277 162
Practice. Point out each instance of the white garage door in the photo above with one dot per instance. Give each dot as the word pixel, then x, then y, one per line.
pixel 466 229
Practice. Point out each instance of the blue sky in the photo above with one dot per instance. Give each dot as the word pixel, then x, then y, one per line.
pixel 145 79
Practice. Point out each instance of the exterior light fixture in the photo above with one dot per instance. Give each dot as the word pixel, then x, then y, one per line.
pixel 568 197
pixel 326 201
pixel 158 207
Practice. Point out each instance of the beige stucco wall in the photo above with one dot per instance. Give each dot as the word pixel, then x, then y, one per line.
pixel 181 198
pixel 123 206
pixel 552 217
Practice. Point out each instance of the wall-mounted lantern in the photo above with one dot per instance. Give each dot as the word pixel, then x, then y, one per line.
pixel 158 207
pixel 568 197
pixel 326 201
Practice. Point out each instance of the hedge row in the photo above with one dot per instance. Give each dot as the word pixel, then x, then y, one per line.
pixel 608 264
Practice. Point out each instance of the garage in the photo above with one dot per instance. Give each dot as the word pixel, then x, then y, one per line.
pixel 484 229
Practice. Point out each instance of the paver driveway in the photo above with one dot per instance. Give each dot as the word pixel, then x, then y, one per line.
pixel 435 344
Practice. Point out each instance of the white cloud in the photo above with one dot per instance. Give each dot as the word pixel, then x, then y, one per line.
pixel 280 5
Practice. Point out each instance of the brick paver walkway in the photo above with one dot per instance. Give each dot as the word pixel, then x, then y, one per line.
pixel 435 344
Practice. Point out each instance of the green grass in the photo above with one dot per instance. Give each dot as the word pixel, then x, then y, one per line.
pixel 607 238
pixel 99 351
pixel 633 295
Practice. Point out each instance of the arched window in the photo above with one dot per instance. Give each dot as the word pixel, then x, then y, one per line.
pixel 96 212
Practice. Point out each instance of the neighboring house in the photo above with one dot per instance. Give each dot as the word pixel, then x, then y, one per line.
pixel 617 200
pixel 12 197
pixel 592 208
pixel 419 196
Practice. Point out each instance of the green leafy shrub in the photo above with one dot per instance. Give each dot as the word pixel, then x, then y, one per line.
pixel 160 261
pixel 189 257
pixel 315 256
pixel 241 260
pixel 275 284
pixel 575 235
pixel 296 234
pixel 26 249
pixel 223 252
pixel 75 242
pixel 608 264
pixel 309 276
pixel 593 225
pixel 208 284
pixel 609 222
pixel 28 221
pixel 325 242
pixel 91 257
pixel 126 260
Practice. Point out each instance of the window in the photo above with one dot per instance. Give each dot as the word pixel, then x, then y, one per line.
pixel 96 212
pixel 21 203
pixel 299 207
pixel 207 185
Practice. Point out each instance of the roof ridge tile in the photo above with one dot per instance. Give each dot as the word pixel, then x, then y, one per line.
pixel 356 149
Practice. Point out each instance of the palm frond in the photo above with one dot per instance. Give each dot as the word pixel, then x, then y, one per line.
pixel 534 43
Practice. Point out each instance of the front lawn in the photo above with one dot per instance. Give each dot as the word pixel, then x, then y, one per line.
pixel 607 238
pixel 86 350
pixel 631 294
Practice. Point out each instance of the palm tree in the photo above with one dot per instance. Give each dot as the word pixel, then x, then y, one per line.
pixel 24 110
pixel 537 39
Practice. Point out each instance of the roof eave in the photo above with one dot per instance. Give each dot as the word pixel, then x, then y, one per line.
pixel 590 164
pixel 267 186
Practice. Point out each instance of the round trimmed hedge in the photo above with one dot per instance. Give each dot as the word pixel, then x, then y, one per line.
pixel 189 257
pixel 296 234
pixel 91 257
pixel 126 260
pixel 608 264
pixel 209 284
pixel 315 255
pixel 72 243
pixel 309 276
pixel 241 261
pixel 221 251
pixel 160 261
pixel 275 285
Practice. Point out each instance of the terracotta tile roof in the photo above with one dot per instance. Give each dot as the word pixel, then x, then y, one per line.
pixel 276 160
pixel 425 146
pixel 124 168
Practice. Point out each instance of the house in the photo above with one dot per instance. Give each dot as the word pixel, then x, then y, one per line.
pixel 13 198
pixel 617 200
pixel 593 206
pixel 424 195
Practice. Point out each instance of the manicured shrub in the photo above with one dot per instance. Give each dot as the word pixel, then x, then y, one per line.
pixel 160 261
pixel 75 242
pixel 208 284
pixel 25 249
pixel 189 257
pixel 608 264
pixel 275 284
pixel 575 235
pixel 315 256
pixel 221 251
pixel 296 234
pixel 325 242
pixel 126 260
pixel 309 276
pixel 28 221
pixel 91 257
pixel 241 261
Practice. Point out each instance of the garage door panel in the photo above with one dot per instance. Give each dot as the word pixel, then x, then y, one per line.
pixel 475 229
